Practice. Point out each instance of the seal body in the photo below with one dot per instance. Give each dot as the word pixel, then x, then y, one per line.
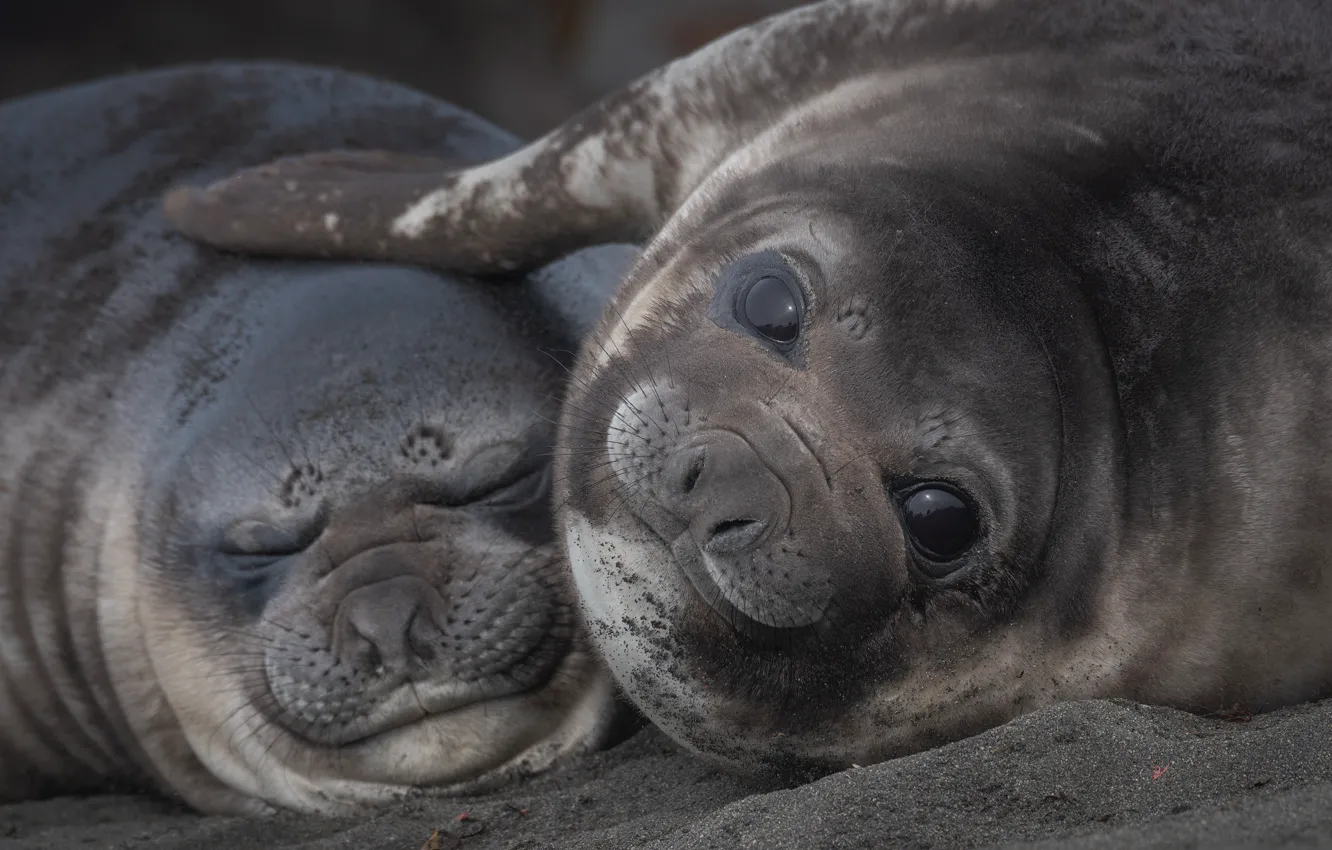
pixel 980 356
pixel 273 535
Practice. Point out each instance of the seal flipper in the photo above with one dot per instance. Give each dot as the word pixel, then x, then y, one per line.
pixel 327 204
pixel 613 173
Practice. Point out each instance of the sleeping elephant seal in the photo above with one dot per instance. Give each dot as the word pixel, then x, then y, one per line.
pixel 271 535
pixel 980 356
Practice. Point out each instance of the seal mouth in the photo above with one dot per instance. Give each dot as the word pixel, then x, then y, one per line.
pixel 398 700
pixel 771 630
pixel 729 498
pixel 412 703
pixel 735 535
pixel 404 632
pixel 775 625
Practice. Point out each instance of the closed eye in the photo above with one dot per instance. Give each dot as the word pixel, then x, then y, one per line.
pixel 520 486
pixel 264 541
pixel 518 493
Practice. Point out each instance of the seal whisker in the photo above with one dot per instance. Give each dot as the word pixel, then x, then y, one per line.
pixel 302 441
pixel 588 469
pixel 594 432
pixel 272 431
pixel 625 490
pixel 588 453
pixel 276 736
pixel 839 469
pixel 572 377
pixel 769 400
pixel 609 447
pixel 554 422
pixel 249 708
pixel 570 495
pixel 629 337
pixel 278 478
pixel 600 408
pixel 589 422
pixel 591 416
pixel 617 362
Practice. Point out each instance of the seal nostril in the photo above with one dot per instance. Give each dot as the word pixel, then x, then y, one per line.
pixel 734 535
pixel 692 475
pixel 386 624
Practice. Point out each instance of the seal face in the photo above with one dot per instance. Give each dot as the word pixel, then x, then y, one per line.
pixel 274 535
pixel 977 358
pixel 812 484
pixel 351 561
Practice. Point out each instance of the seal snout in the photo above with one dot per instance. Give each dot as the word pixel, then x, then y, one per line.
pixel 407 630
pixel 738 495
pixel 387 624
pixel 720 486
pixel 736 545
pixel 401 612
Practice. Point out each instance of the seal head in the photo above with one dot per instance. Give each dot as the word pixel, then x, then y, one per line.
pixel 801 497
pixel 346 571
pixel 272 535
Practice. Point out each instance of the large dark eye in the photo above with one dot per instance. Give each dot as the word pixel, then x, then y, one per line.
pixel 770 307
pixel 941 523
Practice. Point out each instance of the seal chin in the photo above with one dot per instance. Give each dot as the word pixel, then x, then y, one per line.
pixel 467 750
pixel 644 606
pixel 462 750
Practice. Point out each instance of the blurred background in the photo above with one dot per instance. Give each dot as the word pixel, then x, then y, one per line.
pixel 523 64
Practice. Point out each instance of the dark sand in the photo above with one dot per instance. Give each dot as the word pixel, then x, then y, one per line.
pixel 1082 775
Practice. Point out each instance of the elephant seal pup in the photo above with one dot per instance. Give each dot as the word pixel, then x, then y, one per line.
pixel 980 356
pixel 271 535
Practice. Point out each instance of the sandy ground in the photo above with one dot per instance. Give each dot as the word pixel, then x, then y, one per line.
pixel 1081 775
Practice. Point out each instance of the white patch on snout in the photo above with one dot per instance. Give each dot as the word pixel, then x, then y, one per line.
pixel 629 588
